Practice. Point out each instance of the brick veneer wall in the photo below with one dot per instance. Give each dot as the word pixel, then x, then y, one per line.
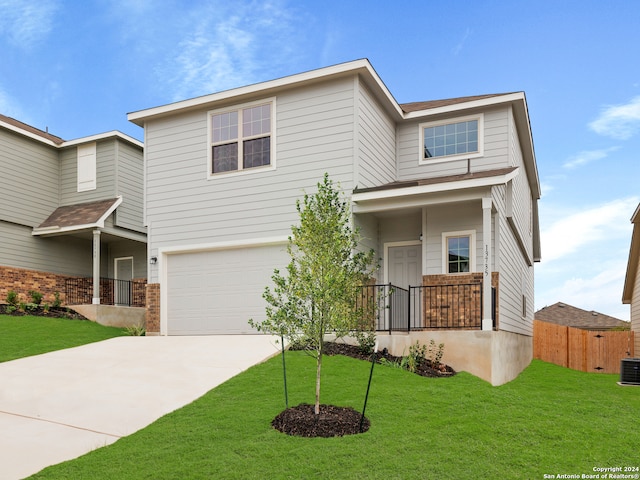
pixel 458 307
pixel 23 281
pixel 152 318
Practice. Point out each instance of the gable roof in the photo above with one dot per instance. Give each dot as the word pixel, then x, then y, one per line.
pixel 78 217
pixel 567 315
pixel 634 258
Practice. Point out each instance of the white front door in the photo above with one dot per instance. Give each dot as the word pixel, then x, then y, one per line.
pixel 405 269
pixel 405 265
pixel 124 274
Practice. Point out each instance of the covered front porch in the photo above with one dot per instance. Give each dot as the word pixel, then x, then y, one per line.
pixel 110 262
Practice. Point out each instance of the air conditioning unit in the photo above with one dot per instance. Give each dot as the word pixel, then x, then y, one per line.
pixel 630 371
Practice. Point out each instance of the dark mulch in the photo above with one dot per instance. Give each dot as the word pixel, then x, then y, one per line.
pixel 425 368
pixel 51 312
pixel 332 421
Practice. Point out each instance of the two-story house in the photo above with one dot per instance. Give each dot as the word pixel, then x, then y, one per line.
pixel 444 191
pixel 71 217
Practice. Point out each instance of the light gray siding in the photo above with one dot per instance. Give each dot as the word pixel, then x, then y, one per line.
pixel 376 133
pixel 496 148
pixel 313 134
pixel 635 313
pixel 29 191
pixel 126 248
pixel 105 174
pixel 129 184
pixel 64 255
pixel 516 277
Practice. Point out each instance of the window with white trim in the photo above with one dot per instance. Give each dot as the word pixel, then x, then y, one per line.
pixel 451 140
pixel 458 252
pixel 241 139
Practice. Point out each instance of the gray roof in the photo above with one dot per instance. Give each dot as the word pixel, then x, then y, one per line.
pixel 563 314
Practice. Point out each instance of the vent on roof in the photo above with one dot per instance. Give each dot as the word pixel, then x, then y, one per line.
pixel 630 371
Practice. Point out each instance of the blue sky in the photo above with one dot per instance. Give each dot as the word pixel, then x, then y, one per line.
pixel 78 67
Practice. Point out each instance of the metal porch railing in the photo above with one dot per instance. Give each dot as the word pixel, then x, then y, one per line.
pixel 127 293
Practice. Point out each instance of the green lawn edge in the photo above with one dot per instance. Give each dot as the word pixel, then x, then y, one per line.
pixel 549 421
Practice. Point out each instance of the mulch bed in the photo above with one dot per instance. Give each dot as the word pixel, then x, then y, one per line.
pixel 52 312
pixel 333 421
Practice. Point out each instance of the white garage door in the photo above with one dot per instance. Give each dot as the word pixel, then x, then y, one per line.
pixel 219 291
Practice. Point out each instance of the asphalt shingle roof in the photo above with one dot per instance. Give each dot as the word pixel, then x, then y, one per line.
pixel 563 314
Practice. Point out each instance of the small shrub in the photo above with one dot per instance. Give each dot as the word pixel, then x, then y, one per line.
pixel 36 297
pixel 11 309
pixel 401 364
pixel 366 341
pixel 45 307
pixel 434 354
pixel 12 298
pixel 23 306
pixel 135 330
pixel 416 356
pixel 30 307
pixel 56 302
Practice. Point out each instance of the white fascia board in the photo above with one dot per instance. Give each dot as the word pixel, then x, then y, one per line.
pixel 434 188
pixel 102 136
pixel 459 107
pixel 26 133
pixel 228 245
pixel 418 201
pixel 127 234
pixel 356 66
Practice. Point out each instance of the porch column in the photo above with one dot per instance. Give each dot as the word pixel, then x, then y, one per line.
pixel 96 267
pixel 487 321
pixel 423 237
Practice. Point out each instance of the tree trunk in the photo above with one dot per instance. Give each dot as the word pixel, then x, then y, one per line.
pixel 318 368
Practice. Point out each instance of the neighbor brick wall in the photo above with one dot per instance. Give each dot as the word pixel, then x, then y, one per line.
pixel 152 318
pixel 22 281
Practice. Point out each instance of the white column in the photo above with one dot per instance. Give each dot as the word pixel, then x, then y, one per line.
pixel 96 267
pixel 423 237
pixel 487 321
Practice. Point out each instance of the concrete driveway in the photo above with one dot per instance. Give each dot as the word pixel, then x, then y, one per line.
pixel 60 405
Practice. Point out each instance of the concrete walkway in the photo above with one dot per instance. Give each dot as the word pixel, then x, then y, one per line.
pixel 60 405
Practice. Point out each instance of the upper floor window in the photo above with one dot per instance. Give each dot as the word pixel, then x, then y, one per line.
pixel 241 139
pixel 451 141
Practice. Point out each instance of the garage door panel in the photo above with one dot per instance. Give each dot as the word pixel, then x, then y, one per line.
pixel 218 291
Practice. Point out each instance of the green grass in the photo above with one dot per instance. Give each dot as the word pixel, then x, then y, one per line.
pixel 550 420
pixel 29 335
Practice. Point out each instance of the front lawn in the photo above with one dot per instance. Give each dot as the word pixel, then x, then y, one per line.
pixel 29 335
pixel 549 421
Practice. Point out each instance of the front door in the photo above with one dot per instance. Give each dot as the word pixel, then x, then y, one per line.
pixel 405 270
pixel 405 265
pixel 122 286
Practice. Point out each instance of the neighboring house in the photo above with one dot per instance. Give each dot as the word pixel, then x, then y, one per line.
pixel 631 291
pixel 71 211
pixel 569 316
pixel 444 191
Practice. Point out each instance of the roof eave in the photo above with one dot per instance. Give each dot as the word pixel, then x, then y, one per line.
pixel 362 67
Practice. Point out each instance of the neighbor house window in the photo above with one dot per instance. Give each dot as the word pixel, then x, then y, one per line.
pixel 451 141
pixel 458 252
pixel 241 139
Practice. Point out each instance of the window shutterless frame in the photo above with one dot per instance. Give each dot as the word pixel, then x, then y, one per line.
pixel 457 138
pixel 241 139
pixel 456 246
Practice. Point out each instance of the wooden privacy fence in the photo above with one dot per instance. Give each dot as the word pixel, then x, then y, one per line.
pixel 585 350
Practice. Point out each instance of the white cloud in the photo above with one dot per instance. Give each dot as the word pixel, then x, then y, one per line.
pixel 588 156
pixel 26 22
pixel 571 232
pixel 227 48
pixel 619 121
pixel 601 292
pixel 9 107
pixel 458 48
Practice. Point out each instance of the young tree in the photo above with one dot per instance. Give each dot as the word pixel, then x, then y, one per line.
pixel 317 296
